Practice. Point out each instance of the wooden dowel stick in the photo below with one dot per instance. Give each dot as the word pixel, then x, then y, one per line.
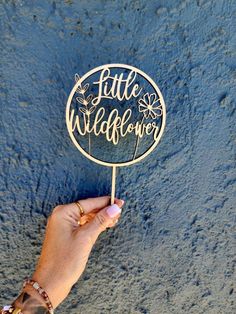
pixel 113 185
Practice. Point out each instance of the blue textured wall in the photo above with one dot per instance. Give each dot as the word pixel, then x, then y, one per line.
pixel 173 251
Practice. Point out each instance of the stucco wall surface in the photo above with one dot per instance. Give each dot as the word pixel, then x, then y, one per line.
pixel 174 248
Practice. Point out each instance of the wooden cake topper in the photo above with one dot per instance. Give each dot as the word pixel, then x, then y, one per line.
pixel 115 116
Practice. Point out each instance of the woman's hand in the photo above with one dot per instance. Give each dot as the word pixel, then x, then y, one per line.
pixel 67 245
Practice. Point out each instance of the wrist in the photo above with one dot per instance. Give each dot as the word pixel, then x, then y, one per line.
pixel 56 291
pixel 29 301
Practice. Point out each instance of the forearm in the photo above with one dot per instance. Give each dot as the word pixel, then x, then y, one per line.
pixel 68 242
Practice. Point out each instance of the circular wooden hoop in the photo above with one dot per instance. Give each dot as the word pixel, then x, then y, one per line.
pixel 147 152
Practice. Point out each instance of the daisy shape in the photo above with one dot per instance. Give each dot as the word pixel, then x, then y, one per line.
pixel 147 106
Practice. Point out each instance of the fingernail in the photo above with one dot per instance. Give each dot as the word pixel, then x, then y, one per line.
pixel 122 202
pixel 113 211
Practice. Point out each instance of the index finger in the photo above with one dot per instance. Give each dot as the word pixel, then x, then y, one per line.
pixel 97 203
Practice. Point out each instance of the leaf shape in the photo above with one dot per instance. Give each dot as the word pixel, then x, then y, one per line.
pixel 80 100
pixel 89 98
pixel 91 110
pixel 77 77
pixel 83 110
pixel 85 87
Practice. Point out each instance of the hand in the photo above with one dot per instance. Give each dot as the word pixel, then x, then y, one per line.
pixel 67 245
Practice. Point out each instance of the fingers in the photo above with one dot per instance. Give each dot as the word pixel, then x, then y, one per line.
pixel 104 219
pixel 86 218
pixel 89 216
pixel 119 202
pixel 91 206
pixel 94 204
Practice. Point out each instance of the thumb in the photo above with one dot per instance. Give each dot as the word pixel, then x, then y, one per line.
pixel 102 220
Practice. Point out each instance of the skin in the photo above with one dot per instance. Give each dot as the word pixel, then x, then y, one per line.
pixel 65 251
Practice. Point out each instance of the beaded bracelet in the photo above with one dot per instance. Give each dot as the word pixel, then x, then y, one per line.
pixel 41 291
pixel 10 309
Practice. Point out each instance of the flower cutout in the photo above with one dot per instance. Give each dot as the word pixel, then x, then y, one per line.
pixel 147 106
